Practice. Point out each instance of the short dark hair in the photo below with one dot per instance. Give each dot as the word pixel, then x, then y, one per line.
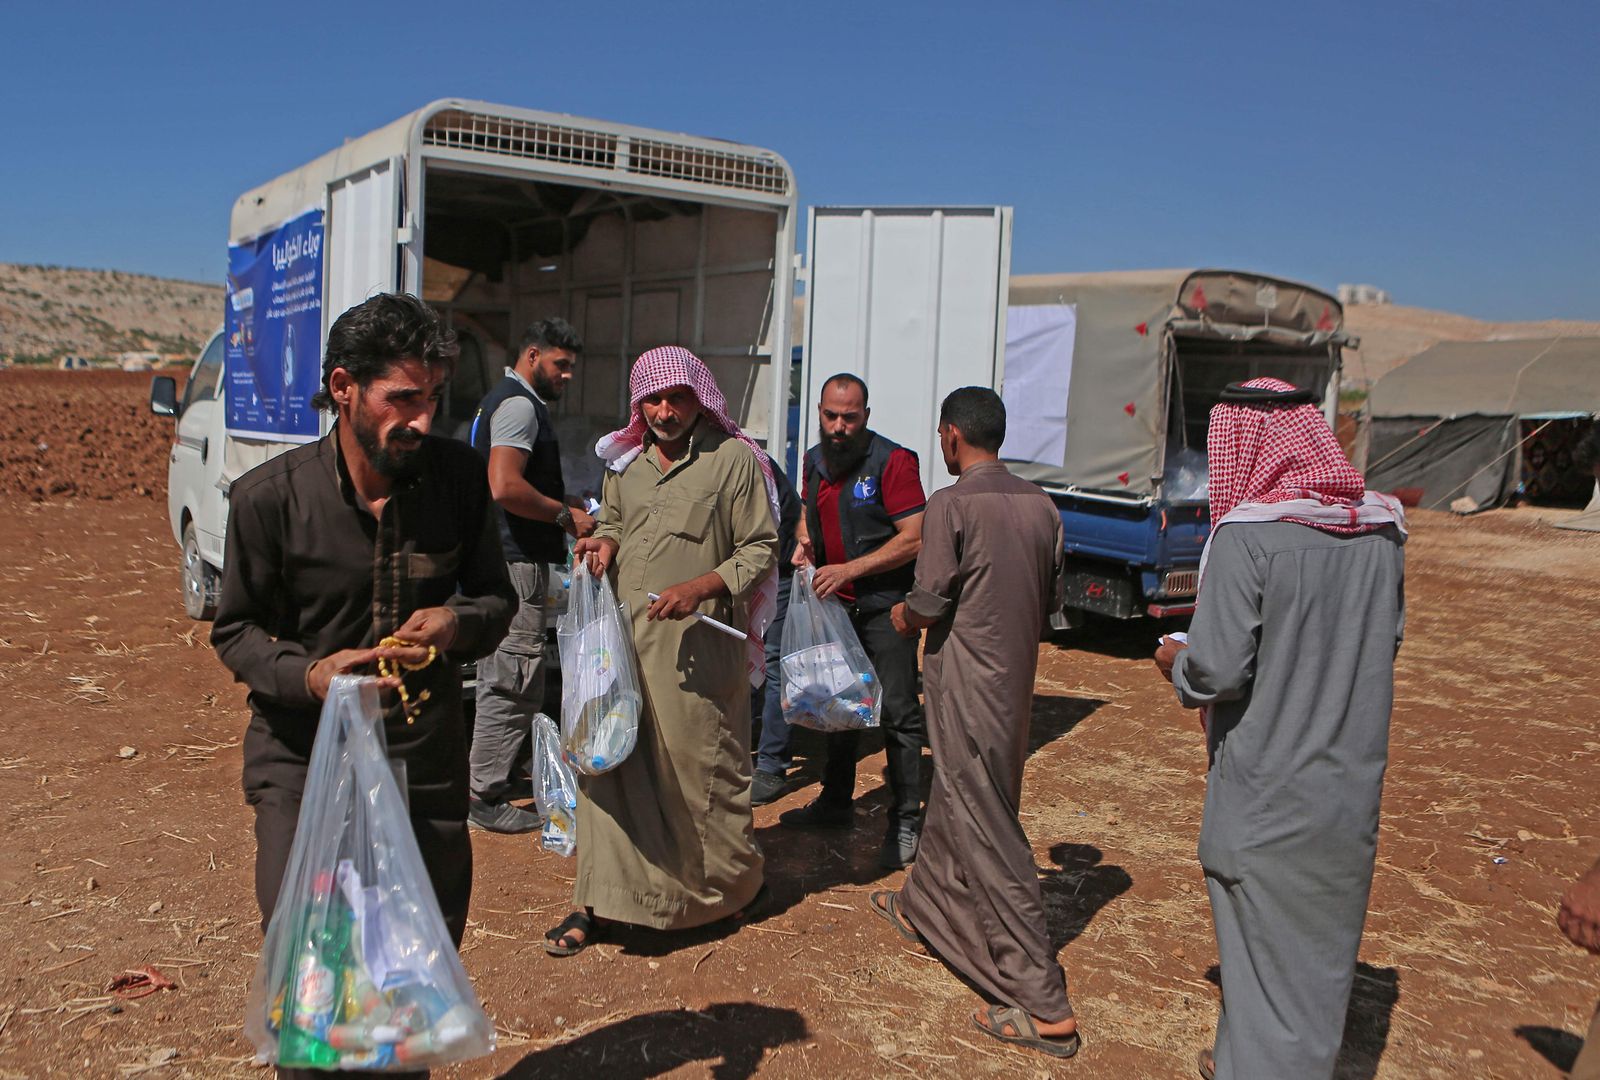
pixel 979 414
pixel 1586 452
pixel 847 379
pixel 377 333
pixel 551 333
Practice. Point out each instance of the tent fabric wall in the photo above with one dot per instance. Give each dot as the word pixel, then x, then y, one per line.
pixel 1480 394
pixel 1524 377
pixel 1472 456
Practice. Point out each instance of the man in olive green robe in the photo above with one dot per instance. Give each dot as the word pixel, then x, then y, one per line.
pixel 666 840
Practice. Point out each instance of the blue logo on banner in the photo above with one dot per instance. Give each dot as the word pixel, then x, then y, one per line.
pixel 866 489
pixel 273 330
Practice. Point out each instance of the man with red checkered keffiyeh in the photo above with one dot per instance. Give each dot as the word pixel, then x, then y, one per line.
pixel 688 523
pixel 1291 657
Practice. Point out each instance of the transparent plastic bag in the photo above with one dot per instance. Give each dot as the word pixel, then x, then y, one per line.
pixel 555 789
pixel 828 682
pixel 1187 476
pixel 559 580
pixel 357 970
pixel 600 699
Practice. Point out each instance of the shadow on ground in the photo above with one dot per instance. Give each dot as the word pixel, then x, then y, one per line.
pixel 1079 887
pixel 1120 639
pixel 1560 1048
pixel 1054 717
pixel 732 1038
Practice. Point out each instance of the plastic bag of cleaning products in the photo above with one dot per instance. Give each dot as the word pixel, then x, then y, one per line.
pixel 600 698
pixel 555 789
pixel 357 970
pixel 828 682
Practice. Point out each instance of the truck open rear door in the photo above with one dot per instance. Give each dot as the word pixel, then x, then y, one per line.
pixel 362 245
pixel 912 300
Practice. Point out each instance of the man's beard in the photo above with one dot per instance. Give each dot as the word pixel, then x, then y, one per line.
pixel 399 459
pixel 840 456
pixel 675 432
pixel 547 389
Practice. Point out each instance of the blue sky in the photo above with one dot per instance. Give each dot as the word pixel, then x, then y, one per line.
pixel 1449 152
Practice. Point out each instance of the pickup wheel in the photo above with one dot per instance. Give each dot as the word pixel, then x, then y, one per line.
pixel 199 579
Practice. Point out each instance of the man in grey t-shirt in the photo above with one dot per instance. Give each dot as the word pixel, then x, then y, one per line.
pixel 514 433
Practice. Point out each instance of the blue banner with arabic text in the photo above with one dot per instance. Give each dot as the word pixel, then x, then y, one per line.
pixel 273 331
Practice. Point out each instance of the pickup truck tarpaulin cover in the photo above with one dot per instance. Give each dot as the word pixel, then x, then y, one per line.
pixel 1126 323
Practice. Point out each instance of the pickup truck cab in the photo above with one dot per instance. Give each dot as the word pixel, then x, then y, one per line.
pixel 196 499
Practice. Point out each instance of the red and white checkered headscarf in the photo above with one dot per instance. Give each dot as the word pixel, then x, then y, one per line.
pixel 1283 463
pixel 1275 463
pixel 662 369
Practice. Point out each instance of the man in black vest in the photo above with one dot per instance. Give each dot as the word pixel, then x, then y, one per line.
pixel 514 433
pixel 862 529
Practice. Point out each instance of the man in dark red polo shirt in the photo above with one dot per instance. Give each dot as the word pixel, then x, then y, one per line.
pixel 862 529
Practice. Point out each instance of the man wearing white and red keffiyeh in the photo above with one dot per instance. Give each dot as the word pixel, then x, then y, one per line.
pixel 688 523
pixel 1291 653
pixel 662 369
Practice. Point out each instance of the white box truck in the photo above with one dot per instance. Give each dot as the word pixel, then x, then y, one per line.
pixel 498 216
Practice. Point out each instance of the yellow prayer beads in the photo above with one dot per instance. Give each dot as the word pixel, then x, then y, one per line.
pixel 395 669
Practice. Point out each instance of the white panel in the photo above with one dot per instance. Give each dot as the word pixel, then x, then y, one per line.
pixel 1039 344
pixel 909 299
pixel 363 212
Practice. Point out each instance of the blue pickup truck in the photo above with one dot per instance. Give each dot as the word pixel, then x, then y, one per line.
pixel 1138 358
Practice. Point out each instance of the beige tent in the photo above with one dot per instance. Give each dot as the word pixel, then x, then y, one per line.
pixel 1456 421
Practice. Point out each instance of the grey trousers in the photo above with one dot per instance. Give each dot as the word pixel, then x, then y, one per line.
pixel 510 688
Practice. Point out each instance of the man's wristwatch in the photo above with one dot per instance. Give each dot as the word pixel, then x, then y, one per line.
pixel 564 518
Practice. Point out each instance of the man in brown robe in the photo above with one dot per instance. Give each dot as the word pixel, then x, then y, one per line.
pixel 991 556
pixel 666 840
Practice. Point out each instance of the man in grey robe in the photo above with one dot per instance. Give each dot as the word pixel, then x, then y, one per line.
pixel 1291 658
pixel 985 579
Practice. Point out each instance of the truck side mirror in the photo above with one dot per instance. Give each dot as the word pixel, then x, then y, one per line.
pixel 164 395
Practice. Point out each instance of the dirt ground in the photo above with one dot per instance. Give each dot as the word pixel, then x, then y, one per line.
pixel 115 862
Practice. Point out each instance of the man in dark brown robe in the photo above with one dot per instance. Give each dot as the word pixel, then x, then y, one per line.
pixel 991 555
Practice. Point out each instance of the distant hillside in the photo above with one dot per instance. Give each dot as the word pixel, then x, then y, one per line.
pixel 1391 334
pixel 48 312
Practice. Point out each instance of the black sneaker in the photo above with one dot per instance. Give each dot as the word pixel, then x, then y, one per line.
pixel 521 787
pixel 819 815
pixel 766 787
pixel 899 847
pixel 501 817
